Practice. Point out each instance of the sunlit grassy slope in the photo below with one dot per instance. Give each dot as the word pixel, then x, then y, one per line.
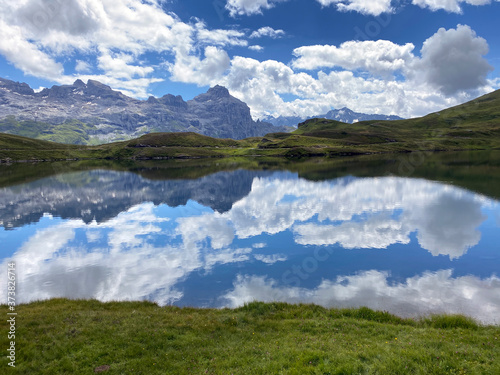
pixel 71 131
pixel 475 124
pixel 471 126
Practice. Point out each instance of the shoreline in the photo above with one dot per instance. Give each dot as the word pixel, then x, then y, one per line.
pixel 288 156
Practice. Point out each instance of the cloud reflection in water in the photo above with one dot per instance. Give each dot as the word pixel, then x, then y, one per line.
pixel 445 218
pixel 150 252
pixel 430 293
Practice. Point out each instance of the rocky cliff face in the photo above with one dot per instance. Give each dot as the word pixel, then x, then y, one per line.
pixel 217 106
pixel 110 115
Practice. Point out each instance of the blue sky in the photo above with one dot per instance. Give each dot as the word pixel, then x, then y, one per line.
pixel 282 57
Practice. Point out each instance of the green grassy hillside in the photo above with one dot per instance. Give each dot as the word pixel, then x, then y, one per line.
pixel 9 142
pixel 189 139
pixel 150 146
pixel 70 132
pixel 473 125
pixel 83 337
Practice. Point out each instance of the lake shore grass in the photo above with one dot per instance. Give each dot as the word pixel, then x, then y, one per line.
pixel 61 336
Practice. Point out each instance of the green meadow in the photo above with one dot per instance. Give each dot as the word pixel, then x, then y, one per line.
pixel 60 336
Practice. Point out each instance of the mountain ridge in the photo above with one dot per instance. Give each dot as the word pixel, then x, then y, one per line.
pixel 343 115
pixel 94 113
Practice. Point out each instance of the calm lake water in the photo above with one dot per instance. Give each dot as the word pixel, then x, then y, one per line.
pixel 412 242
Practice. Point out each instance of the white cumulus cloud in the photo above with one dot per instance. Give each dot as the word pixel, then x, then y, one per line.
pixel 448 5
pixel 453 61
pixel 249 7
pixel 25 55
pixel 368 7
pixel 365 7
pixel 374 56
pixel 256 47
pixel 219 37
pixel 202 71
pixel 82 66
pixel 267 31
pixel 117 32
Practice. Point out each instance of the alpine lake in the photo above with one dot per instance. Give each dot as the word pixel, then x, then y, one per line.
pixel 412 234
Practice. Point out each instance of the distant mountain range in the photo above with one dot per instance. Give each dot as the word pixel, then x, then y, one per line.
pixel 343 115
pixel 93 113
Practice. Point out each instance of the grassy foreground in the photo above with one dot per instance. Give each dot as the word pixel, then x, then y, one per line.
pixel 81 337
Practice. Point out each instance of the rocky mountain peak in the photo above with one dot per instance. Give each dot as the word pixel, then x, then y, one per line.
pixel 20 88
pixel 173 101
pixel 79 83
pixel 219 92
pixel 93 83
pixel 96 87
pixel 214 93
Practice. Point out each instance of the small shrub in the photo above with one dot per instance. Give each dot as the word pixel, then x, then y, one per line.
pixel 451 322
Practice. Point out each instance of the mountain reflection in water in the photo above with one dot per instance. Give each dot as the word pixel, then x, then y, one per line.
pixel 408 246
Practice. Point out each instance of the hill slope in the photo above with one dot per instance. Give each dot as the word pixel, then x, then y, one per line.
pixel 480 116
pixel 472 125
